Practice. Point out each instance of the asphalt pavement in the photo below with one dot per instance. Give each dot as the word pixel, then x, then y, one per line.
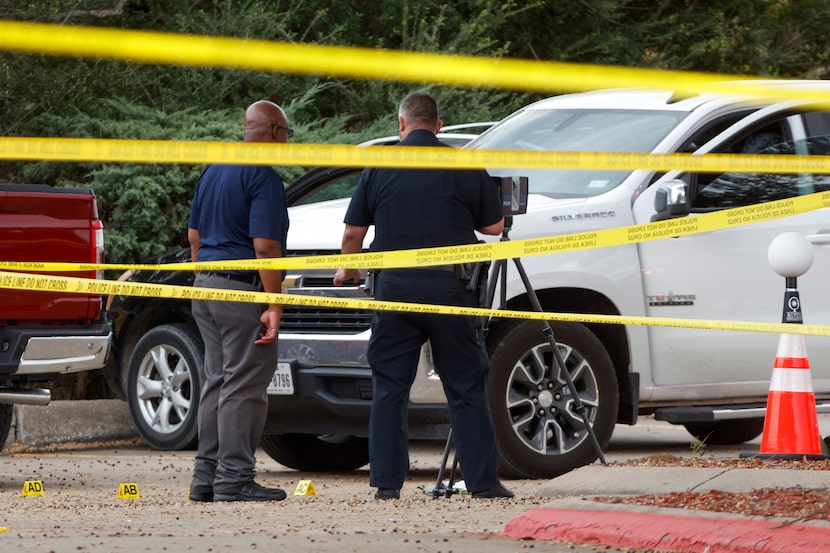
pixel 572 516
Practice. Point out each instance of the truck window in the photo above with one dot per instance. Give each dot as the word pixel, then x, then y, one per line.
pixel 579 130
pixel 703 135
pixel 340 187
pixel 711 130
pixel 727 190
pixel 817 123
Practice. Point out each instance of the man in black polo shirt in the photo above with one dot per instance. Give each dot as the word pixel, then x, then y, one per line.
pixel 238 212
pixel 421 208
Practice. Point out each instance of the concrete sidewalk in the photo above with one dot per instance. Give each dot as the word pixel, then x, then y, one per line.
pixel 71 421
pixel 622 480
pixel 578 519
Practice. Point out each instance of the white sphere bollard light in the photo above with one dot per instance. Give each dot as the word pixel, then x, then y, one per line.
pixel 790 254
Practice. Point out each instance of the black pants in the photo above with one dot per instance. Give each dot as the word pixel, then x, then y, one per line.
pixel 461 361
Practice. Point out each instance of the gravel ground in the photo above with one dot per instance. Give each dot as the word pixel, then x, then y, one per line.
pixel 80 510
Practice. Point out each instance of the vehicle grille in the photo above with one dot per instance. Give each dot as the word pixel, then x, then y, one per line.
pixel 317 281
pixel 319 320
pixel 302 319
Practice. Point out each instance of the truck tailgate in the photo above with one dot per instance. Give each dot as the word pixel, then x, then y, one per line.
pixel 43 223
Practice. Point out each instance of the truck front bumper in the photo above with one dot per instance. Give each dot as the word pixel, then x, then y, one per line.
pixel 333 390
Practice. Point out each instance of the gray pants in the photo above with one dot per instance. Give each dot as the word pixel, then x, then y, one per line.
pixel 234 402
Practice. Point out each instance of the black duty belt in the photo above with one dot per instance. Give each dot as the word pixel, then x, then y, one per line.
pixel 445 268
pixel 248 278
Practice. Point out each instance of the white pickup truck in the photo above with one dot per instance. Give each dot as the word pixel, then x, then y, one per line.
pixel 714 383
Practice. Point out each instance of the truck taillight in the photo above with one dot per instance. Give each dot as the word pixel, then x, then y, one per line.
pixel 96 240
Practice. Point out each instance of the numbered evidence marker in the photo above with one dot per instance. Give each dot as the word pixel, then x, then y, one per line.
pixel 128 491
pixel 305 487
pixel 32 487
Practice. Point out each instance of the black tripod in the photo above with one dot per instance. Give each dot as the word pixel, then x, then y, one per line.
pixel 499 274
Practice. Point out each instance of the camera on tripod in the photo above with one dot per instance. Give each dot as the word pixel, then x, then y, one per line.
pixel 513 192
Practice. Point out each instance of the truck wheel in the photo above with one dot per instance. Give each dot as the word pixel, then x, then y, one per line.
pixel 538 432
pixel 164 381
pixel 307 452
pixel 726 432
pixel 6 411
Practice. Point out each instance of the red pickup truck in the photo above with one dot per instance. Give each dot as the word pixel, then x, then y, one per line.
pixel 44 334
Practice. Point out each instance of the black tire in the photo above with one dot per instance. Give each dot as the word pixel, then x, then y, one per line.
pixel 726 432
pixel 310 453
pixel 538 432
pixel 6 412
pixel 164 381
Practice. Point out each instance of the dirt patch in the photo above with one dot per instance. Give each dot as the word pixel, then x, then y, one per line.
pixel 797 504
pixel 668 460
pixel 792 503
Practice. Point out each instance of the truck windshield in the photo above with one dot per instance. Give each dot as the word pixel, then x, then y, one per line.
pixel 578 130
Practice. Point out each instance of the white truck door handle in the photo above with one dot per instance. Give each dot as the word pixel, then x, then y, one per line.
pixel 820 239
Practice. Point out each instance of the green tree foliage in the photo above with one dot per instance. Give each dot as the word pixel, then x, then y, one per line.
pixel 144 206
pixel 777 38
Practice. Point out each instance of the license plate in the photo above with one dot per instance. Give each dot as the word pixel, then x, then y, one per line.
pixel 282 382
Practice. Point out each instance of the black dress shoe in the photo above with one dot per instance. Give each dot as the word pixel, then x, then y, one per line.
pixel 250 491
pixel 201 494
pixel 387 493
pixel 493 493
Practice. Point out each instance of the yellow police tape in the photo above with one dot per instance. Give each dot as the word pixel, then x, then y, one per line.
pixel 72 285
pixel 617 236
pixel 432 256
pixel 152 47
pixel 367 63
pixel 250 153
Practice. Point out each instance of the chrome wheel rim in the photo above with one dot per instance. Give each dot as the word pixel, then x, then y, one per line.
pixel 163 389
pixel 539 402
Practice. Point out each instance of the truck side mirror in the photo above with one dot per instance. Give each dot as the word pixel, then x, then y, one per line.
pixel 670 201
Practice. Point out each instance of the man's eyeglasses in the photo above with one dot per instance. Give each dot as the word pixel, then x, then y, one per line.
pixel 289 132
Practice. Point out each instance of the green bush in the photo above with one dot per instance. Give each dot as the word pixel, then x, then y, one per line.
pixel 145 206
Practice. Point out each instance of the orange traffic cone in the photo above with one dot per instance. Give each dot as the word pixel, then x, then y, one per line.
pixel 791 425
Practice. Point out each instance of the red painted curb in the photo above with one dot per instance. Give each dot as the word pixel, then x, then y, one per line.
pixel 668 532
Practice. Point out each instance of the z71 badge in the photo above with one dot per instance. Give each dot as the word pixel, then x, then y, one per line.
pixel 671 299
